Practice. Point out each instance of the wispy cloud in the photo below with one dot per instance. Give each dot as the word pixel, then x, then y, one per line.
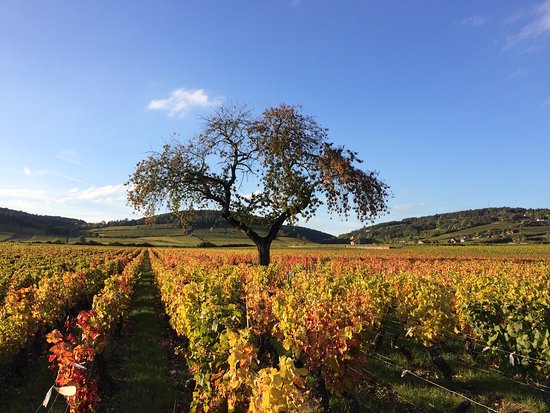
pixel 537 27
pixel 23 193
pixel 181 101
pixel 517 73
pixel 475 21
pixel 517 16
pixel 71 156
pixel 91 204
pixel 408 192
pixel 103 194
pixel 409 207
pixel 28 171
pixel 546 102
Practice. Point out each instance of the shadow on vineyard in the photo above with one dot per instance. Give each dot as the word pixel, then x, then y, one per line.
pixel 408 369
pixel 24 392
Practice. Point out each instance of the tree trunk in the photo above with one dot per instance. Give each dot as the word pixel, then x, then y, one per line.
pixel 262 243
pixel 264 246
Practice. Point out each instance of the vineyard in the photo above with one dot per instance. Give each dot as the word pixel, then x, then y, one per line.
pixel 326 330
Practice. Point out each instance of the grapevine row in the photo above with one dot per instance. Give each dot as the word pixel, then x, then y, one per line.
pixel 321 315
pixel 27 310
pixel 25 265
pixel 73 353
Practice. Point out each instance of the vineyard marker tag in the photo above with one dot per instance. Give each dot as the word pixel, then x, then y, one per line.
pixel 47 398
pixel 66 390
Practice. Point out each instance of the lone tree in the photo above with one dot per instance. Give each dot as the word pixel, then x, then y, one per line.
pixel 284 151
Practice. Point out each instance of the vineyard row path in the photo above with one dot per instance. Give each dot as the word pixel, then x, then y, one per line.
pixel 140 374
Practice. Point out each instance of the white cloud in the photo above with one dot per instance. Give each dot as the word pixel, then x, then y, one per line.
pixel 475 21
pixel 101 194
pixel 250 194
pixel 92 204
pixel 409 207
pixel 181 101
pixel 23 193
pixel 546 102
pixel 538 26
pixel 28 171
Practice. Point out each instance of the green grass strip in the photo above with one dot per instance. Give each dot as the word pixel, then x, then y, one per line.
pixel 142 382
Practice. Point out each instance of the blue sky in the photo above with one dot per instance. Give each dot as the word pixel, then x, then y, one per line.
pixel 449 101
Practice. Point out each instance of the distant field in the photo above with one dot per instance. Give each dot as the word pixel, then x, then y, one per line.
pixel 5 236
pixel 526 231
pixel 166 235
pixel 138 231
pixel 501 251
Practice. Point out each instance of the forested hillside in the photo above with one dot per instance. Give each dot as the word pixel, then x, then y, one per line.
pixel 212 220
pixel 204 226
pixel 23 222
pixel 487 225
pixel 479 226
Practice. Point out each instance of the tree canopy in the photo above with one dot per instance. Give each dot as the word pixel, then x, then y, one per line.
pixel 286 153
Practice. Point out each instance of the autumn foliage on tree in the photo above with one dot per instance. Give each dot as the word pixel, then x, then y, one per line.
pixel 284 151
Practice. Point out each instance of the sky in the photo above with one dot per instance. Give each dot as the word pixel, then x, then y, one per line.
pixel 448 100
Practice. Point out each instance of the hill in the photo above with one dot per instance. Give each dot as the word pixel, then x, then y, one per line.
pixel 18 222
pixel 212 220
pixel 480 226
pixel 206 228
